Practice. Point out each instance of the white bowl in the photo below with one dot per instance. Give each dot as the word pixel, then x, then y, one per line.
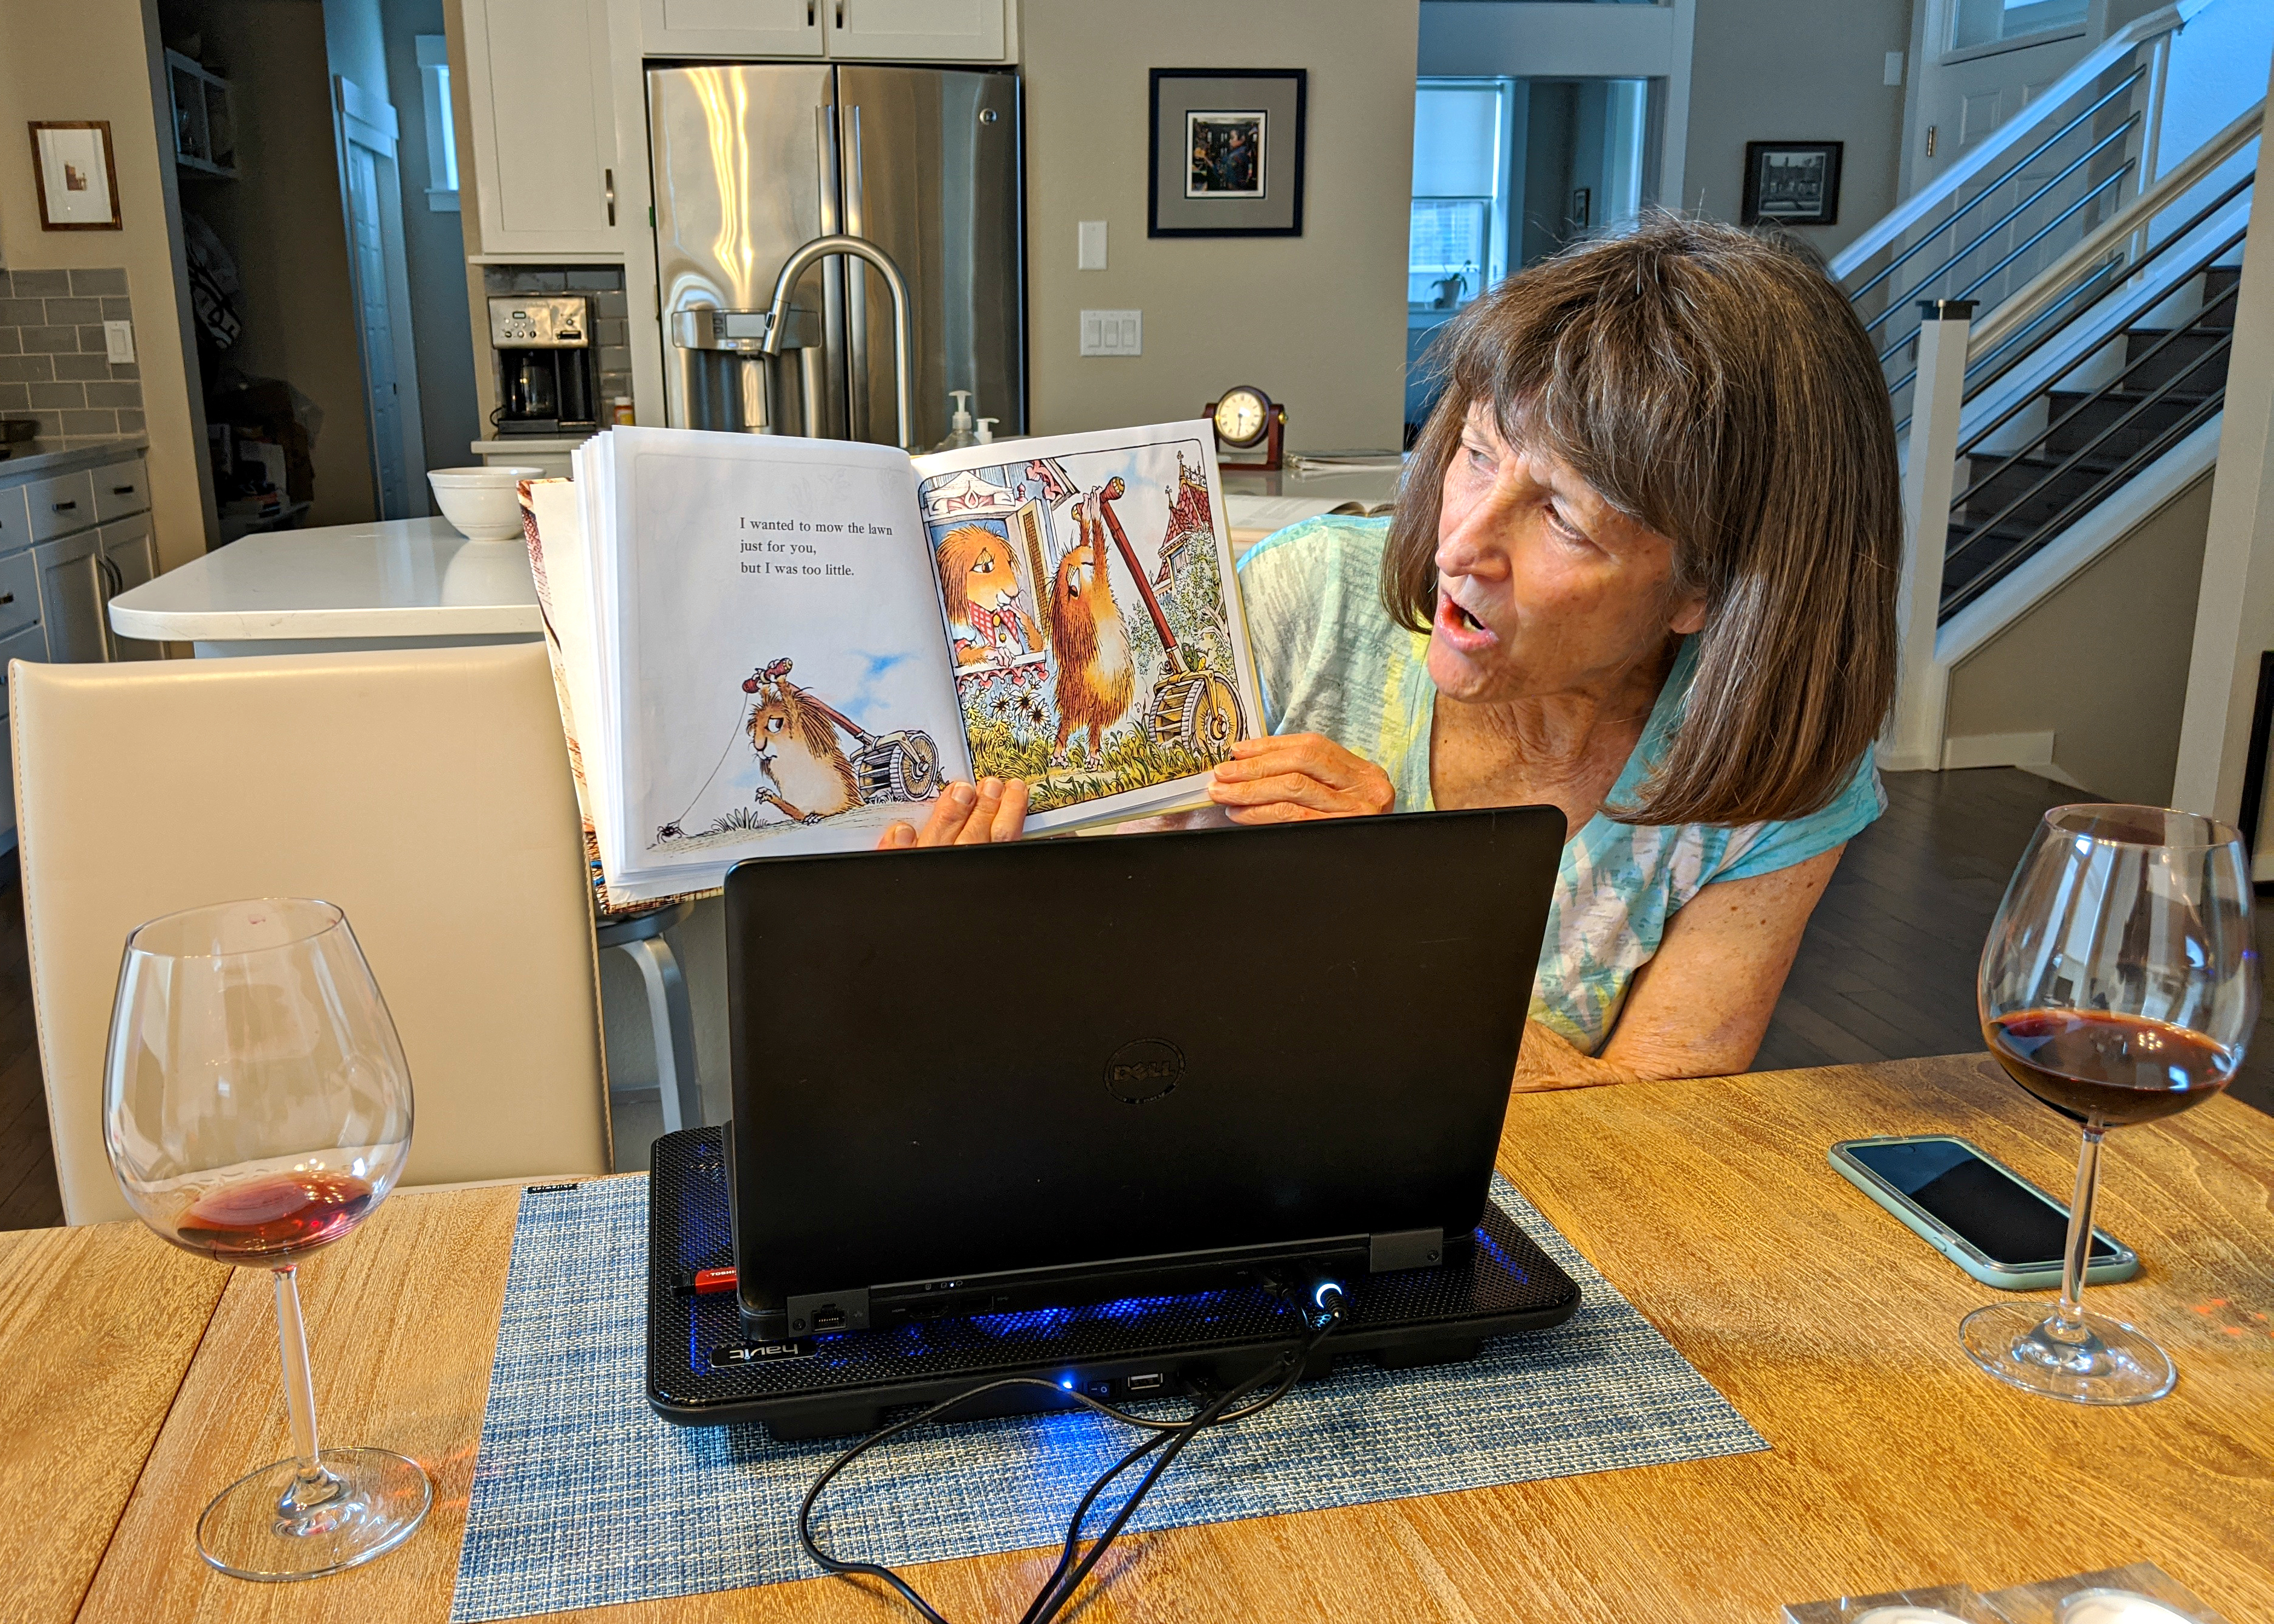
pixel 481 504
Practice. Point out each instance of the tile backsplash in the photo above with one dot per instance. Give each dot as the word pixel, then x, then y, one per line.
pixel 612 359
pixel 52 365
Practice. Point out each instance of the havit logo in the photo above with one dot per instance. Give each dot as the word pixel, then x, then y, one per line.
pixel 1146 1069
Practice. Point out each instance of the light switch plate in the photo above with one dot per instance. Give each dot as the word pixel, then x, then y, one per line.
pixel 1089 252
pixel 118 341
pixel 1894 73
pixel 1112 332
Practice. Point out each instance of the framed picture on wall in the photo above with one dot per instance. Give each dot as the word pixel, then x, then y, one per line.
pixel 1791 183
pixel 78 183
pixel 1227 152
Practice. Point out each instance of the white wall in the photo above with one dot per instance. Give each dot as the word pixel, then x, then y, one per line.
pixel 1317 322
pixel 1796 71
pixel 449 414
pixel 95 59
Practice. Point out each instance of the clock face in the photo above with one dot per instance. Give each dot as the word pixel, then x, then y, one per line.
pixel 1241 416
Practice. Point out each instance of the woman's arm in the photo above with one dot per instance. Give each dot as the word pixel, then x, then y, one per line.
pixel 1699 1007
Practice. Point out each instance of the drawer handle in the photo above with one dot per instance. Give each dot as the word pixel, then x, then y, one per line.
pixel 66 506
pixel 122 490
pixel 7 597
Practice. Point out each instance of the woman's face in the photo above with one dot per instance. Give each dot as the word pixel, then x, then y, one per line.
pixel 1542 586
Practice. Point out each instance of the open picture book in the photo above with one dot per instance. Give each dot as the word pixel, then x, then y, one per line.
pixel 765 646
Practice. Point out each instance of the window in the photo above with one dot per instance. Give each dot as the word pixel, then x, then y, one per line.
pixel 1457 244
pixel 1989 22
pixel 442 132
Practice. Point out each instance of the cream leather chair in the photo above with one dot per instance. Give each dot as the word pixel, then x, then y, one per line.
pixel 426 792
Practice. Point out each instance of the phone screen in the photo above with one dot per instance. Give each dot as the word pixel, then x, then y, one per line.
pixel 2006 1221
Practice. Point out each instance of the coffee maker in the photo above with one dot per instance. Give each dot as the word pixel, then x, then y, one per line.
pixel 544 345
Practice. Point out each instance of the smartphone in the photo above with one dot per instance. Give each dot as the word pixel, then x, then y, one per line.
pixel 1975 1211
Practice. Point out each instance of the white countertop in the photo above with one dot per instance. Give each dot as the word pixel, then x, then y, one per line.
pixel 93 454
pixel 396 578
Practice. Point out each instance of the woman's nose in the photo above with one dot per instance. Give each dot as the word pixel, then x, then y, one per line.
pixel 1475 544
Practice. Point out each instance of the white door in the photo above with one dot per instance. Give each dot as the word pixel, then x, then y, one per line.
pixel 731 28
pixel 380 281
pixel 917 30
pixel 543 126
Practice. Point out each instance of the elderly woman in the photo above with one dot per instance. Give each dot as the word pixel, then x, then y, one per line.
pixel 1642 569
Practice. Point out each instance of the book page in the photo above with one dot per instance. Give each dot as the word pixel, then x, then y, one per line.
pixel 1085 583
pixel 781 684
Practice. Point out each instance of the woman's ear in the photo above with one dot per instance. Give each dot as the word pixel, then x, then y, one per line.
pixel 1689 616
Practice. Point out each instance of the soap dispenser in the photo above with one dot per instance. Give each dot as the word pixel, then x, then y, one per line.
pixel 987 430
pixel 958 426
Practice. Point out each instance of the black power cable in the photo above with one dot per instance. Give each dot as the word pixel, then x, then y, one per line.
pixel 1321 1314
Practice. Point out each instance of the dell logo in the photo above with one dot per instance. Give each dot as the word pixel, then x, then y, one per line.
pixel 1146 1069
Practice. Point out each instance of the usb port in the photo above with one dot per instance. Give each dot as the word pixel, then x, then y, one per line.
pixel 829 1319
pixel 1147 1383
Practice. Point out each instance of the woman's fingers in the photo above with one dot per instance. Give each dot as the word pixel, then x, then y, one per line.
pixel 1011 814
pixel 1297 788
pixel 966 815
pixel 1310 774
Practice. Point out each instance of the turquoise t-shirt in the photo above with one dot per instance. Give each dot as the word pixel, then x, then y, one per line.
pixel 1333 662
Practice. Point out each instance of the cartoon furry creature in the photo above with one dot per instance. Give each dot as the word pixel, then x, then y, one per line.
pixel 797 749
pixel 1089 643
pixel 982 588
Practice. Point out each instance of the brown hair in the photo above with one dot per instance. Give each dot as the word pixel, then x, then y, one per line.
pixel 1714 385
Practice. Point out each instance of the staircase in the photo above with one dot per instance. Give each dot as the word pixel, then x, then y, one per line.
pixel 2054 315
pixel 2172 381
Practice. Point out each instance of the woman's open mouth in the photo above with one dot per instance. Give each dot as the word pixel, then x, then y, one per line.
pixel 1459 627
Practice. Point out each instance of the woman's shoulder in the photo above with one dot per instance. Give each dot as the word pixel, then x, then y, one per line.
pixel 1317 555
pixel 1756 849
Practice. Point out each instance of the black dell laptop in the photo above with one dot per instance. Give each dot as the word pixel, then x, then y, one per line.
pixel 981 1080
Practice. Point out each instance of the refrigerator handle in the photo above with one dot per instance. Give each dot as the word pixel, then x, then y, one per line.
pixel 856 286
pixel 825 422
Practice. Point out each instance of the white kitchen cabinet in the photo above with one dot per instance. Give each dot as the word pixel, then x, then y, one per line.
pixel 731 28
pixel 130 557
pixel 546 169
pixel 916 30
pixel 72 598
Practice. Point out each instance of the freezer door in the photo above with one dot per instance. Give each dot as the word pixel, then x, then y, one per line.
pixel 930 161
pixel 744 172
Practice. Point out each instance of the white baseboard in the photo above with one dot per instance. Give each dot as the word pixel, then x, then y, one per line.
pixel 2031 752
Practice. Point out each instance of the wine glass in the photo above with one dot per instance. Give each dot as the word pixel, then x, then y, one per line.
pixel 2119 985
pixel 257 1106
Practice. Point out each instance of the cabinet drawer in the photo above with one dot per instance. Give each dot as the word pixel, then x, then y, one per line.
pixel 20 591
pixel 15 519
pixel 28 644
pixel 121 488
pixel 61 505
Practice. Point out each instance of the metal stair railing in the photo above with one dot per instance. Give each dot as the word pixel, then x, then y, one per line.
pixel 1936 241
pixel 1959 363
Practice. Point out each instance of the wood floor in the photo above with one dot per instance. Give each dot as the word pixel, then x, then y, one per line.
pixel 1885 972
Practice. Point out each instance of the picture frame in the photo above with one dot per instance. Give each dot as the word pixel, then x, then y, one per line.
pixel 75 175
pixel 1791 183
pixel 1226 152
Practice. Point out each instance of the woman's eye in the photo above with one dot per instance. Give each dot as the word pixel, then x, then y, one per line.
pixel 1563 524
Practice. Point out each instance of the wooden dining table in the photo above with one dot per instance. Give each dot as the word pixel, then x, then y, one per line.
pixel 139 1381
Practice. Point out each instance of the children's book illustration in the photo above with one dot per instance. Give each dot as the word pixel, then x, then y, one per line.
pixel 1128 680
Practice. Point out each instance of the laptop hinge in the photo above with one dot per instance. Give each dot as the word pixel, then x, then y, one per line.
pixel 824 1311
pixel 1403 1250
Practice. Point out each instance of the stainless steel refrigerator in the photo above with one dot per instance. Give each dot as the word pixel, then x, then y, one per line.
pixel 752 160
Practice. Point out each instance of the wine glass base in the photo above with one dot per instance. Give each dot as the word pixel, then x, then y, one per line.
pixel 249 1532
pixel 2116 1363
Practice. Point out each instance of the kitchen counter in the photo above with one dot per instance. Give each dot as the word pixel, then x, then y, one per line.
pixel 93 454
pixel 395 584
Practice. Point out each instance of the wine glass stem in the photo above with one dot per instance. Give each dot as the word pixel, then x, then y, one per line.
pixel 314 1485
pixel 2068 1323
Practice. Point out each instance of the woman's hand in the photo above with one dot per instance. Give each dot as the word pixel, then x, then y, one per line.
pixel 967 815
pixel 1287 777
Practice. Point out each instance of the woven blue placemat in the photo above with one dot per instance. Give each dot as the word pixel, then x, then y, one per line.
pixel 583 1498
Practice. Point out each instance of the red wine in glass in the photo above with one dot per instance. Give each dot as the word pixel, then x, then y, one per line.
pixel 273 1219
pixel 2119 985
pixel 257 1108
pixel 2096 1065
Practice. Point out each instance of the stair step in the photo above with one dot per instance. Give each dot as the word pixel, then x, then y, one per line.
pixel 2183 355
pixel 2078 419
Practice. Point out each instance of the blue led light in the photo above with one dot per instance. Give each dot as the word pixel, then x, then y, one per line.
pixel 1319 1296
pixel 1066 1382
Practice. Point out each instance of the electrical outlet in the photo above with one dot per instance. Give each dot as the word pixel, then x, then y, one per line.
pixel 1089 246
pixel 118 341
pixel 1112 332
